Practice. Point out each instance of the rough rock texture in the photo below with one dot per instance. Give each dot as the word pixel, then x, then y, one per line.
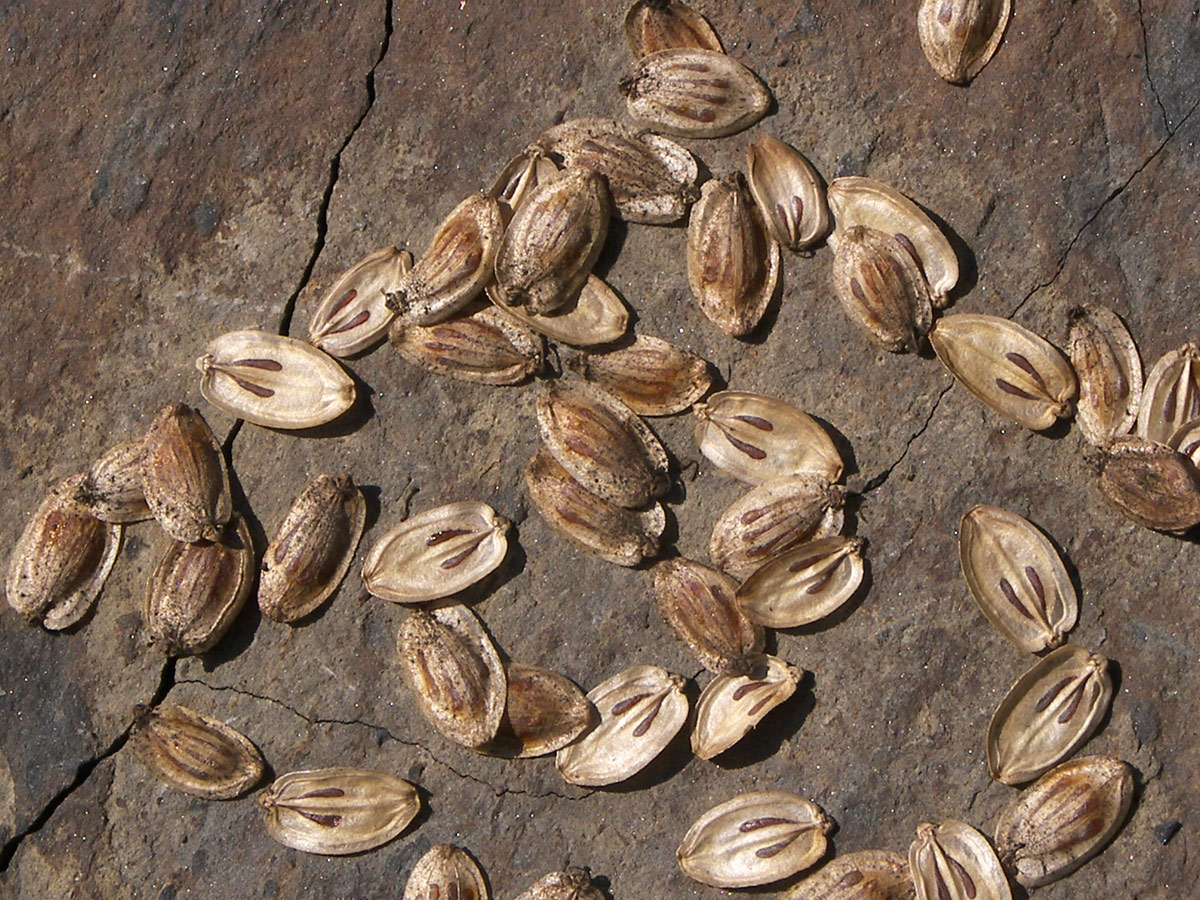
pixel 175 171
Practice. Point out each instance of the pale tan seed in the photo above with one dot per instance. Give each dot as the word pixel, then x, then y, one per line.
pixel 553 241
pixel 1017 578
pixel 594 316
pixel 732 263
pixel 1006 367
pixel 754 839
pixel 353 314
pixel 613 533
pixel 112 490
pixel 517 180
pixel 273 380
pixel 197 590
pixel 1171 398
pixel 1186 441
pixel 437 553
pixel 731 705
pixel 653 25
pixel 953 861
pixel 641 710
pixel 856 200
pixel 455 267
pixel 960 36
pixel 694 93
pixel 446 873
pixel 195 753
pixel 337 811
pixel 881 287
pixel 184 479
pixel 484 346
pixel 1109 370
pixel 757 439
pixel 452 667
pixel 544 712
pixel 1151 484
pixel 804 584
pixel 605 446
pixel 772 518
pixel 570 884
pixel 313 548
pixel 651 376
pixel 651 179
pixel 862 875
pixel 61 560
pixel 789 193
pixel 698 603
pixel 1048 714
pixel 1064 818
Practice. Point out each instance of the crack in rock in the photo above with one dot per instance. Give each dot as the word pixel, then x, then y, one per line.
pixel 1146 61
pixel 877 481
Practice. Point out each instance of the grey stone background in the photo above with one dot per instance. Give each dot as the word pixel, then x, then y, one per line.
pixel 171 171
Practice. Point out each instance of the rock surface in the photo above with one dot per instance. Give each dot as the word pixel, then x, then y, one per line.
pixel 174 172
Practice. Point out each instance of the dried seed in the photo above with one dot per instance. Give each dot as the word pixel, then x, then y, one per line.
pixel 697 602
pixel 731 705
pixel 694 93
pixel 353 314
pixel 197 590
pixel 1064 818
pixel 112 490
pixel 953 861
pixel 804 584
pixel 1151 484
pixel 1048 714
pixel 338 811
pixel 641 710
pixel 544 712
pixel 553 241
pixel 605 446
pixel 452 667
pixel 1017 578
pixel 864 875
pixel 754 839
pixel 653 25
pixel 1171 398
pixel 881 287
pixel 195 753
pixel 595 316
pixel 651 376
pixel 772 518
pixel 1109 370
pixel 757 439
pixel 61 560
pixel 446 873
pixel 437 554
pixel 313 548
pixel 184 479
pixel 456 266
pixel 732 263
pixel 570 884
pixel 486 347
pixel 1009 368
pixel 865 201
pixel 275 381
pixel 960 36
pixel 522 174
pixel 789 193
pixel 613 533
pixel 1186 441
pixel 651 179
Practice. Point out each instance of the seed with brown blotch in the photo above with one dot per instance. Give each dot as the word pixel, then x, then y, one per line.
pixel 1151 484
pixel 446 873
pixel 651 376
pixel 953 861
pixel 789 193
pixel 731 705
pixel 862 875
pixel 653 25
pixel 697 602
pixel 485 347
pixel 594 316
pixel 353 314
pixel 544 712
pixel 1171 398
pixel 1109 370
pixel 960 36
pixel 195 753
pixel 803 584
pixel 184 479
pixel 571 883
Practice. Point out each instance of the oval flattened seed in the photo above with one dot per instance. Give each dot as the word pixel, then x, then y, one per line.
pixel 112 490
pixel 523 173
pixel 732 705
pixel 195 753
pixel 1109 370
pixel 653 25
pixel 337 811
pixel 1150 484
pixel 184 479
pixel 960 36
pixel 1017 578
pixel 313 548
pixel 1171 398
pixel 485 347
pixel 758 439
pixel 698 603
pixel 789 193
pixel 571 883
pixel 594 316
pixel 544 712
pixel 804 584
pixel 754 839
pixel 446 873
pixel 863 875
pixel 641 709
pixel 651 376
pixel 353 314
pixel 953 861
pixel 437 553
pixel 1048 714
pixel 275 381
